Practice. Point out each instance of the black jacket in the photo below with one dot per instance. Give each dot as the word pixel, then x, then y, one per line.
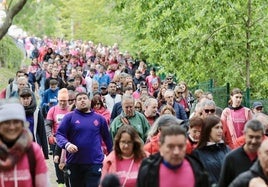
pixel 149 172
pixel 237 158
pixel 244 178
pixel 211 157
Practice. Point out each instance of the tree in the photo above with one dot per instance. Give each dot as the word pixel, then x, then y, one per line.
pixel 13 8
pixel 201 40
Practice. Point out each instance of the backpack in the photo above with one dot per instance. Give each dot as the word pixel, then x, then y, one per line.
pixel 32 163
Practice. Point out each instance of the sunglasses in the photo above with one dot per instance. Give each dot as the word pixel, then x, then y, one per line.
pixel 259 108
pixel 209 110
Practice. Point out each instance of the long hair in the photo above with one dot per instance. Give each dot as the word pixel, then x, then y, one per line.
pixel 233 92
pixel 137 142
pixel 209 123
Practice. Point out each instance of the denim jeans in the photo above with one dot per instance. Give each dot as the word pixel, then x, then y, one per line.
pixel 85 175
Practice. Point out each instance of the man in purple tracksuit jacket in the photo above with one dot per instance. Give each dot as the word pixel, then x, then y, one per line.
pixel 81 133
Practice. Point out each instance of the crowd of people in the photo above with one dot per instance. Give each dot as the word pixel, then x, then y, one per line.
pixel 109 120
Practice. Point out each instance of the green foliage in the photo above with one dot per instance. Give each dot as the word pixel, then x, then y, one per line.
pixel 201 40
pixel 10 56
pixel 197 40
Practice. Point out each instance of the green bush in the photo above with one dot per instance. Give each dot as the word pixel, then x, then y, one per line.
pixel 10 55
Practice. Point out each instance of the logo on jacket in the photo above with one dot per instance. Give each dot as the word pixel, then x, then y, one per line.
pixel 77 122
pixel 96 122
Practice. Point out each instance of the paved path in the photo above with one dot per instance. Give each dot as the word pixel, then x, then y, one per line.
pixel 52 175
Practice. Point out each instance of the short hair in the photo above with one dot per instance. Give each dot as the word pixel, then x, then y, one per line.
pixel 127 96
pixel 196 121
pixel 149 101
pixel 170 131
pixel 208 102
pixel 81 93
pixel 53 82
pixel 254 125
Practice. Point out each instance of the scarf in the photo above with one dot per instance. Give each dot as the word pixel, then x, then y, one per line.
pixel 29 110
pixel 9 157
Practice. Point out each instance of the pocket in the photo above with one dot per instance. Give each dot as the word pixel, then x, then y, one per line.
pixel 96 169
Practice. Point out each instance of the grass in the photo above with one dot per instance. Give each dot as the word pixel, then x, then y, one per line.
pixel 5 75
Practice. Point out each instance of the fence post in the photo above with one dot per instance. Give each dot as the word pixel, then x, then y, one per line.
pixel 227 92
pixel 248 97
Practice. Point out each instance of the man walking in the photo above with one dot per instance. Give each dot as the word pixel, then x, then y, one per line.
pixel 171 166
pixel 81 133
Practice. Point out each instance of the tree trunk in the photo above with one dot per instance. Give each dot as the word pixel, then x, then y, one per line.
pixel 10 14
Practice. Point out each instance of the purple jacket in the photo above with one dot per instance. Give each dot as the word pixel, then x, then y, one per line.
pixel 86 131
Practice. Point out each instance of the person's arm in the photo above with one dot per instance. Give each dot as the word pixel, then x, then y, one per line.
pixel 41 170
pixel 106 136
pixel 42 134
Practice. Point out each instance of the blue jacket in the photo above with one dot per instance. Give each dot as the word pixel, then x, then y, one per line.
pixel 86 131
pixel 180 112
pixel 50 96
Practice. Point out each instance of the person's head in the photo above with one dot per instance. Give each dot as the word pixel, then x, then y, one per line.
pixel 172 144
pixel 183 86
pixel 169 97
pixel 169 78
pixel 195 126
pixel 155 84
pixel 95 86
pixel 63 98
pixel 22 82
pixel 96 102
pixel 153 71
pixel 254 133
pixel 53 84
pixel 151 107
pixel 128 90
pixel 236 97
pixel 103 88
pixel 208 107
pixel 257 107
pixel 110 180
pixel 127 143
pixel 12 121
pixel 198 94
pixel 263 157
pixel 112 88
pixel 25 96
pixel 128 105
pixel 20 73
pixel 72 96
pixel 162 121
pixel 55 72
pixel 78 80
pixel 137 73
pixel 82 102
pixel 263 118
pixel 167 109
pixel 211 132
pixel 138 105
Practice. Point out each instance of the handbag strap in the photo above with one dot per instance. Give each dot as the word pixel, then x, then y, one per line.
pixel 129 169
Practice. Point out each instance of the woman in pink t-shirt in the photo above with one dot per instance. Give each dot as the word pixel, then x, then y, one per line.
pixel 17 151
pixel 234 118
pixel 126 158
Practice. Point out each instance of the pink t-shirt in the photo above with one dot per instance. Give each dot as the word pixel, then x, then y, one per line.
pixel 122 172
pixel 21 173
pixel 239 121
pixel 56 114
pixel 180 177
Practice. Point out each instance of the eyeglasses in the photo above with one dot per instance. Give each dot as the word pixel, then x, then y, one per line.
pixel 126 143
pixel 169 79
pixel 71 99
pixel 209 110
pixel 259 108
